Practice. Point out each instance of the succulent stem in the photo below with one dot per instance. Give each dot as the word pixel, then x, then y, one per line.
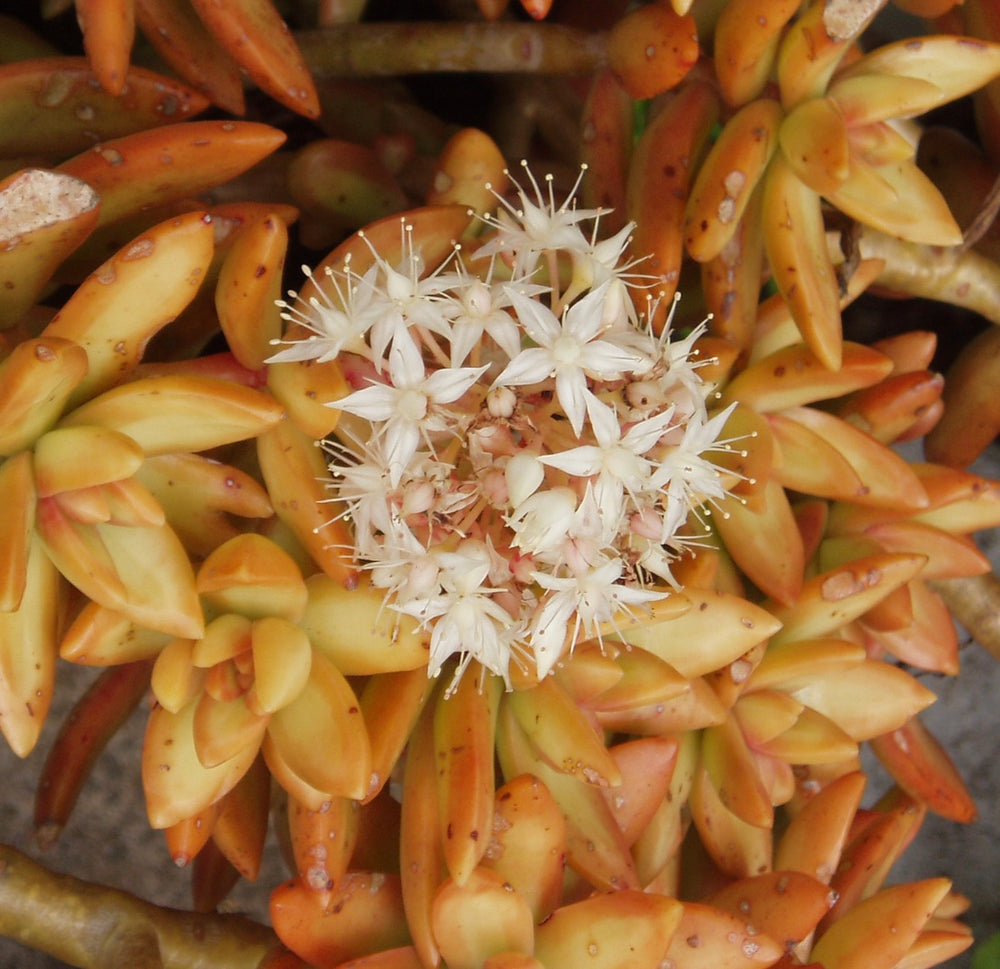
pixel 973 602
pixel 380 49
pixel 69 919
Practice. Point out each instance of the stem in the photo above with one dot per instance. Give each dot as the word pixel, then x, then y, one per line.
pixel 961 277
pixel 94 927
pixel 381 49
pixel 975 602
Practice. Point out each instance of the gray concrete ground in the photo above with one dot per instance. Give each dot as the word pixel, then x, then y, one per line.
pixel 109 841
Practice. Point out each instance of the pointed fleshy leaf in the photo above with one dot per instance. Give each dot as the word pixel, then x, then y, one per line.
pixel 710 938
pixel 812 739
pixel 922 767
pixel 643 679
pixel 83 456
pixel 321 736
pixel 241 824
pixel 784 905
pixel 253 32
pixel 282 656
pixel 878 931
pixel 613 931
pixel 527 847
pixel 176 783
pixel 36 380
pixel 733 773
pixel 871 699
pixel 140 289
pixel 180 413
pixel 651 49
pixel 810 464
pixel 930 642
pixel 184 43
pixel 364 916
pixel 864 98
pixel 322 842
pixel 790 663
pixel 764 714
pixel 76 112
pixel 814 142
pixel 464 731
pixel 99 636
pixel 46 216
pixel 562 735
pixel 794 376
pixel 151 168
pixel 17 498
pixel 480 918
pixel 28 651
pixel 795 243
pixel 728 176
pixel 832 600
pixel 724 626
pixel 646 766
pixel 298 480
pixel 108 28
pixel 175 680
pixel 255 577
pixel 813 841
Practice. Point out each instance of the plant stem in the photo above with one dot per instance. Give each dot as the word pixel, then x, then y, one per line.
pixel 94 927
pixel 975 602
pixel 382 49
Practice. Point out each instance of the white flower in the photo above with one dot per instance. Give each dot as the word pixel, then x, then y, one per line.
pixel 405 407
pixel 538 227
pixel 570 351
pixel 580 602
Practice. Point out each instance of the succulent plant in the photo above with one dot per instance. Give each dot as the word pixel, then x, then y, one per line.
pixel 542 563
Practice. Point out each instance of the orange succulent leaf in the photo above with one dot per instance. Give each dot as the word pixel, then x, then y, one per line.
pixel 764 541
pixel 187 837
pixel 732 772
pixel 785 905
pixel 464 735
pixel 797 253
pixel 46 216
pixel 176 783
pixel 175 413
pixel 948 556
pixel 18 497
pixel 606 147
pixel 255 577
pixel 421 852
pixel 108 32
pixel 922 767
pixel 322 842
pixel 83 456
pixel 641 678
pixel 810 464
pixel 651 49
pixel 527 846
pixel 592 670
pixel 596 847
pixel 812 739
pixel 249 284
pixel 324 717
pixel 833 599
pixel 100 636
pixel 253 32
pixel 184 43
pixel 175 680
pixel 467 167
pixel 282 657
pixel 892 409
pixel 376 640
pixel 711 938
pixel 364 916
pixel 241 822
pixel 814 142
pixel 959 501
pixel 151 168
pixel 745 46
pixel 36 380
pixel 697 707
pixel 878 931
pixel 28 650
pixel 724 626
pixel 480 918
pixel 739 849
pixel 728 176
pixel 934 946
pixel 646 766
pixel 663 163
pixel 562 734
pixel 930 641
pixel 116 310
pixel 76 112
pixel 794 376
pixel 763 715
pixel 609 931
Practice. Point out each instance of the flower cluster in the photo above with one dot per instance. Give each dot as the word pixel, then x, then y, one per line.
pixel 524 456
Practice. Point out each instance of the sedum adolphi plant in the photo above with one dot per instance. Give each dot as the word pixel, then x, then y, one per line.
pixel 544 613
